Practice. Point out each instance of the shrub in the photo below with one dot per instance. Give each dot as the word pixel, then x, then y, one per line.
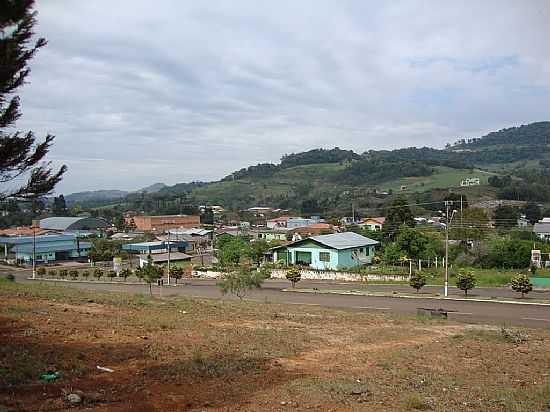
pixel 73 273
pixel 293 274
pixel 111 274
pixel 239 282
pixel 52 273
pixel 85 274
pixel 10 277
pixel 41 271
pixel 125 273
pixel 376 260
pixel 177 273
pixel 98 273
pixel 521 283
pixel 466 281
pixel 418 281
pixel 63 273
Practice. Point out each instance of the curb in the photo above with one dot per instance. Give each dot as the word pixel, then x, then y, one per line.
pixel 352 293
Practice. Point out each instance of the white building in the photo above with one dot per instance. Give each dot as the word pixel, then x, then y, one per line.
pixel 470 181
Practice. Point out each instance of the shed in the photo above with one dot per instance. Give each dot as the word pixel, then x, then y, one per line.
pixel 65 223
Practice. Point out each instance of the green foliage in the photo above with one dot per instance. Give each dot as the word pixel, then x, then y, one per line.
pixel 293 274
pixel 506 253
pixel 52 273
pixel 418 280
pixel 111 274
pixel 150 273
pixel 411 243
pixel 41 271
pixel 257 250
pixel 176 272
pixel 85 274
pixel 398 214
pixel 466 281
pixel 104 250
pixel 98 273
pixel 532 212
pixel 472 225
pixel 125 273
pixel 506 217
pixel 63 273
pixel 231 251
pixel 73 273
pixel 240 281
pixel 521 283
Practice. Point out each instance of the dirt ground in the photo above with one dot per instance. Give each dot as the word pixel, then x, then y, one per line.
pixel 200 355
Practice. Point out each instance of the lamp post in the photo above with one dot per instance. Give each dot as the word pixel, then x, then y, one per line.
pixel 447 224
pixel 168 257
pixel 34 224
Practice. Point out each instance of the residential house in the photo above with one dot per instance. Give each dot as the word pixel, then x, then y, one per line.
pixel 277 222
pixel 328 252
pixel 470 181
pixel 270 234
pixel 293 222
pixel 312 230
pixel 542 229
pixel 374 224
pixel 46 248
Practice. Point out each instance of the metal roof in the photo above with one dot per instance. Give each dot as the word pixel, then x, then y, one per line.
pixel 344 240
pixel 152 245
pixel 163 257
pixel 542 227
pixel 39 239
pixel 73 223
pixel 50 248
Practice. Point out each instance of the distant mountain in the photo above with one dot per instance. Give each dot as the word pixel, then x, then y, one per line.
pixel 95 195
pixel 154 188
pixel 533 134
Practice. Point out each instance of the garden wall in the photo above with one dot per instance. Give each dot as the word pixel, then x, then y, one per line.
pixel 317 275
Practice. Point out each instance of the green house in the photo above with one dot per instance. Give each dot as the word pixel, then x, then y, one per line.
pixel 328 252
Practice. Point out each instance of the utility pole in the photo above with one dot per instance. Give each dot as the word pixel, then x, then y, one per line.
pixel 447 248
pixel 168 257
pixel 33 251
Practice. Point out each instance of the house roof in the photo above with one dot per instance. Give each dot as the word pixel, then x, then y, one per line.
pixel 379 220
pixel 541 227
pixel 155 245
pixel 39 239
pixel 73 223
pixel 26 248
pixel 163 257
pixel 339 241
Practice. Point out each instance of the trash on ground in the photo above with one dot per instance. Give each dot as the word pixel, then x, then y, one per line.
pixel 104 369
pixel 50 376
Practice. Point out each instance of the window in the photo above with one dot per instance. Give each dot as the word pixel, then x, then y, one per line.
pixel 324 256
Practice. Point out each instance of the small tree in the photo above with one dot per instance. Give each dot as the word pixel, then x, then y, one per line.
pixel 85 274
pixel 151 273
pixel 293 274
pixel 73 273
pixel 242 280
pixel 466 281
pixel 111 274
pixel 52 273
pixel 41 271
pixel 98 273
pixel 63 273
pixel 125 273
pixel 521 283
pixel 177 273
pixel 418 281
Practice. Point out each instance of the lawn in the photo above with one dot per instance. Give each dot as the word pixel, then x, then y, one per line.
pixel 184 354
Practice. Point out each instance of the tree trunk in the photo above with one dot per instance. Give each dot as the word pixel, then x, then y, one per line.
pixel 466 292
pixel 150 290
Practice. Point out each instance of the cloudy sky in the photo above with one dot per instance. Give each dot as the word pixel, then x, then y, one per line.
pixel 187 90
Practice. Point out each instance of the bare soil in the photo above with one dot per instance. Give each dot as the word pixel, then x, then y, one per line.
pixel 200 355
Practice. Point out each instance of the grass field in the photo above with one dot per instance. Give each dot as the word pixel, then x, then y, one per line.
pixel 201 355
pixel 443 177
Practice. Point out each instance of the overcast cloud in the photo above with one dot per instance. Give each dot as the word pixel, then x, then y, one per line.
pixel 193 90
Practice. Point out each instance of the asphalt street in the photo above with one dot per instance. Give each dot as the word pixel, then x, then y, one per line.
pixel 469 312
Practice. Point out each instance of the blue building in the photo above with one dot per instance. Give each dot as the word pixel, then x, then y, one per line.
pixel 47 248
pixel 336 251
pixel 293 222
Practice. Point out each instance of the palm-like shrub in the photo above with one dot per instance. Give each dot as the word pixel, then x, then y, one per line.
pixel 98 273
pixel 73 273
pixel 63 273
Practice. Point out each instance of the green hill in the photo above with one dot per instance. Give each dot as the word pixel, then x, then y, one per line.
pixel 329 181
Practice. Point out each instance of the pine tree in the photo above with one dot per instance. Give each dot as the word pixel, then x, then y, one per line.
pixel 21 157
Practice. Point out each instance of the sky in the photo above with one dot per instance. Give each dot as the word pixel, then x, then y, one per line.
pixel 138 92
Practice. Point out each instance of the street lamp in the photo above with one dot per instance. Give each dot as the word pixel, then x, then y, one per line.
pixel 447 224
pixel 34 224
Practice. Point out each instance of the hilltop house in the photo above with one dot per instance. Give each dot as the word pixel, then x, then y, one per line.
pixel 374 224
pixel 328 252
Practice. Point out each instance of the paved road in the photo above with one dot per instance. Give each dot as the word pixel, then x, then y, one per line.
pixel 470 312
